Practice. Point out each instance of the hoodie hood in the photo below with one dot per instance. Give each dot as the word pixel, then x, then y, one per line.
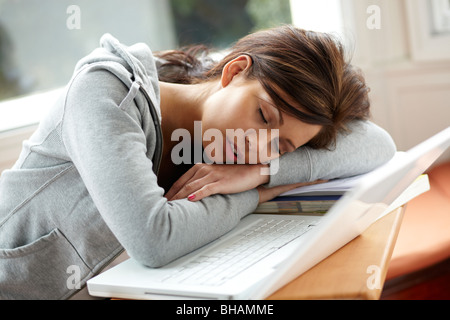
pixel 130 64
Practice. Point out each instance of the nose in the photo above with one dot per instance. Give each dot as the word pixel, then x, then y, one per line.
pixel 263 146
pixel 269 145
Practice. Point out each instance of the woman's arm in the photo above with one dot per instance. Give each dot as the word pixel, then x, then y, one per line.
pixel 108 147
pixel 364 148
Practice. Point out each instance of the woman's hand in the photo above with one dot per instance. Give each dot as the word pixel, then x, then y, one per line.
pixel 203 180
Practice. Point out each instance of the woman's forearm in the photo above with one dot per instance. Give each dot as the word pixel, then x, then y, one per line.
pixel 365 148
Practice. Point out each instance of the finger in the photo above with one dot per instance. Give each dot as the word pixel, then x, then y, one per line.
pixel 190 189
pixel 176 187
pixel 205 191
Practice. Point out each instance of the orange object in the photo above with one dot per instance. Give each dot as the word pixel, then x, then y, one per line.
pixel 424 236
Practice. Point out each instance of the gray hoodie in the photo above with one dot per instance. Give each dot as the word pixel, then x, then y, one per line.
pixel 85 187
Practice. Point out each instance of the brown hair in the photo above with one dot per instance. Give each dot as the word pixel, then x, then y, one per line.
pixel 308 67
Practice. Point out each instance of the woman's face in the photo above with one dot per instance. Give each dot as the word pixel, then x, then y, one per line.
pixel 252 129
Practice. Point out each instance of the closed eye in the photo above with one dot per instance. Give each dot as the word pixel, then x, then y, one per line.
pixel 262 116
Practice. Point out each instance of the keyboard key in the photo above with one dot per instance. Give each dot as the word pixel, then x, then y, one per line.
pixel 244 250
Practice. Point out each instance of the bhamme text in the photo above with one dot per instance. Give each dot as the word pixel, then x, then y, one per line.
pixel 226 309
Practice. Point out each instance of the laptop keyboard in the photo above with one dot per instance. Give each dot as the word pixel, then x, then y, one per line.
pixel 245 249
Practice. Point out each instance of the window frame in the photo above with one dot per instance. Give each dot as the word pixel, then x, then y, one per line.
pixel 425 45
pixel 27 110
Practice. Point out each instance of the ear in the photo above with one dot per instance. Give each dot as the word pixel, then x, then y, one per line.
pixel 235 67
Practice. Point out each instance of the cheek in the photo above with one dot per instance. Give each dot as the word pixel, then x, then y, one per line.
pixel 215 112
pixel 227 110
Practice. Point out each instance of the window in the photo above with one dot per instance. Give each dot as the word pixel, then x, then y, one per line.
pixel 440 16
pixel 429 29
pixel 42 40
pixel 318 15
pixel 219 23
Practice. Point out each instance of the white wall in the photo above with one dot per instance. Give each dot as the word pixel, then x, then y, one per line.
pixel 410 94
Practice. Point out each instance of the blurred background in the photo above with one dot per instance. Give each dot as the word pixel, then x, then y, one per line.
pixel 403 47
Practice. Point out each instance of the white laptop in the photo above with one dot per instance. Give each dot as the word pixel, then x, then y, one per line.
pixel 265 252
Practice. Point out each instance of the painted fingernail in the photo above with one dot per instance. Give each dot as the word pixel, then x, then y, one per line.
pixel 191 197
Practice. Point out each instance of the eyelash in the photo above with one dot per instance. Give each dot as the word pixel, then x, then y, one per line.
pixel 262 116
pixel 266 122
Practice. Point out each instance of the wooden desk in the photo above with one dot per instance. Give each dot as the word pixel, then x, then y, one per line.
pixel 356 271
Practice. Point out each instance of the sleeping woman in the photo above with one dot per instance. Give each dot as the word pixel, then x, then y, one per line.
pixel 102 173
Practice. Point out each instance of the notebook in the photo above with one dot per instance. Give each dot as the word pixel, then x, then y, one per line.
pixel 265 252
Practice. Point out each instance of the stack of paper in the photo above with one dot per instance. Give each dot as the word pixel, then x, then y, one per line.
pixel 333 187
pixel 319 198
pixel 316 198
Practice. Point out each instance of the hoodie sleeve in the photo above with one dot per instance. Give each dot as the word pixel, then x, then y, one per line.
pixel 363 149
pixel 109 149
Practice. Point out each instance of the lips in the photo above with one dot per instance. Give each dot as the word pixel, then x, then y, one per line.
pixel 231 151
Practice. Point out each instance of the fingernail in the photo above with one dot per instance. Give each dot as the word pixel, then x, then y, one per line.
pixel 191 197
